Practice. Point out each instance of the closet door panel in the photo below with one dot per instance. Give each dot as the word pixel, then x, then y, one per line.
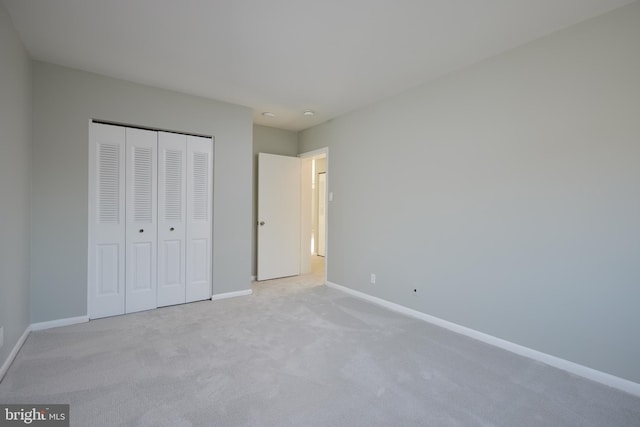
pixel 106 275
pixel 199 216
pixel 141 207
pixel 172 194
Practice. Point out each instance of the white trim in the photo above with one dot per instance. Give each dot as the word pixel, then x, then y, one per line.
pixel 37 327
pixel 89 216
pixel 314 153
pixel 14 352
pixel 557 362
pixel 217 297
pixel 57 323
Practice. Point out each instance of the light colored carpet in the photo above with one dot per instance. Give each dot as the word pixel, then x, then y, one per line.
pixel 296 354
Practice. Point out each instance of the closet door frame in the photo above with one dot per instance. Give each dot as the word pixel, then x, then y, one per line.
pixel 198 224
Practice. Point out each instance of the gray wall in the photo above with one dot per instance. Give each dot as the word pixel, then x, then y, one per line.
pixel 507 193
pixel 64 102
pixel 15 183
pixel 272 141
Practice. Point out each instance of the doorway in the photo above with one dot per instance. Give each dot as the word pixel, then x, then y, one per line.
pixel 289 216
pixel 314 212
pixel 319 231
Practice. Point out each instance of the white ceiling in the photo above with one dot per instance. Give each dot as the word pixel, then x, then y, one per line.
pixel 285 56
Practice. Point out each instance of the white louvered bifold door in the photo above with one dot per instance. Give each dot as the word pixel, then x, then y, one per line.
pixel 141 233
pixel 199 216
pixel 106 268
pixel 172 195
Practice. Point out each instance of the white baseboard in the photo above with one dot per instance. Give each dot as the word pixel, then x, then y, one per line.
pixel 14 352
pixel 217 297
pixel 566 365
pixel 57 323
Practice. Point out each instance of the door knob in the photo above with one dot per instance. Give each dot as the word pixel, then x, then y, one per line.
pixel 261 223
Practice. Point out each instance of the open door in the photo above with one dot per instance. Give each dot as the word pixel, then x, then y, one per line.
pixel 278 216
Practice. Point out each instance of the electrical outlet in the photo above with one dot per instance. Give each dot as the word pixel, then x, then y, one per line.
pixel 373 279
pixel 1 336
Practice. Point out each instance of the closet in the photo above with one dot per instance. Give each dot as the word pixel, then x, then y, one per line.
pixel 150 196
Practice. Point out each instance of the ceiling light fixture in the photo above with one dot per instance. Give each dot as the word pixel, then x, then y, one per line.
pixel 269 114
pixel 308 112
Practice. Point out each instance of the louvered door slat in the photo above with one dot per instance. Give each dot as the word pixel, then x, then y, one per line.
pixel 142 184
pixel 108 183
pixel 200 177
pixel 173 185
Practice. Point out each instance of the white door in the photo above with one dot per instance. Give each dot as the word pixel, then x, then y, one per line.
pixel 306 214
pixel 322 198
pixel 141 232
pixel 106 275
pixel 278 216
pixel 172 224
pixel 199 218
